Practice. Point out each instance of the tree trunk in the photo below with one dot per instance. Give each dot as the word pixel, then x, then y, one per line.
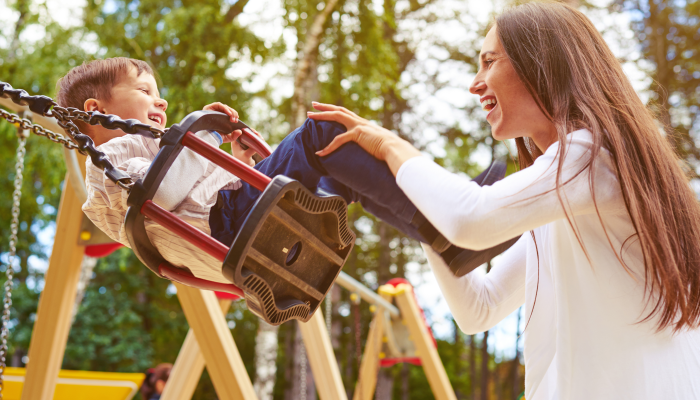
pixel 472 365
pixel 265 360
pixel 306 66
pixel 515 384
pixel 385 385
pixel 485 367
pixel 458 356
pixel 405 378
pixel 663 71
pixel 86 269
pixel 23 7
pixel 485 358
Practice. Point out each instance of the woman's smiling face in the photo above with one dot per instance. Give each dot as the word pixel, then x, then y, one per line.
pixel 512 111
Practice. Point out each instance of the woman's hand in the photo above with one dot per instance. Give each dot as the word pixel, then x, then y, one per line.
pixel 377 141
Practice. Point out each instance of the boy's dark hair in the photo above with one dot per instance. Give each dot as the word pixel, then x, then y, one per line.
pixel 94 80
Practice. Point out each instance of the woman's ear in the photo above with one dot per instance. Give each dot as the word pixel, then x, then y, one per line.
pixel 93 105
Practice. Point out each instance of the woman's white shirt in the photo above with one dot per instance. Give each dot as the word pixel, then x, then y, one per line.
pixel 584 338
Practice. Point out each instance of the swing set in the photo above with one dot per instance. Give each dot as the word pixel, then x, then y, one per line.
pixel 283 262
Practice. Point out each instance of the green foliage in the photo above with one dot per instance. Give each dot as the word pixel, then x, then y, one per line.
pixel 35 67
pixel 129 319
pixel 190 45
pixel 669 35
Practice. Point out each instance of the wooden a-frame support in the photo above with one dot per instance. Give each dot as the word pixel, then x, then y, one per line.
pixel 403 297
pixel 202 310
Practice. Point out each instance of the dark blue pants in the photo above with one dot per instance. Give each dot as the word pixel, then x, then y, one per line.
pixel 349 172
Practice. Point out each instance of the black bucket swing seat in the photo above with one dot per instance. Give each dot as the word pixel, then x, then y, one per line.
pixel 289 250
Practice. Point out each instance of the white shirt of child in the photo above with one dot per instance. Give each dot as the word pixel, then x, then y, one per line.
pixel 188 190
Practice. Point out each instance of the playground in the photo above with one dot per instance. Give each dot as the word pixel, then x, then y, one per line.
pixel 399 332
pixel 316 298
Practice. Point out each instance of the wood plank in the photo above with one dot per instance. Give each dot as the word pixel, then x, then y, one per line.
pixel 312 239
pixel 432 365
pixel 284 274
pixel 369 368
pixel 188 366
pixel 50 333
pixel 329 384
pixel 226 369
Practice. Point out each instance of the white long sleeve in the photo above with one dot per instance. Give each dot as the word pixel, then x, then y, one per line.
pixel 584 339
pixel 477 218
pixel 481 300
pixel 183 174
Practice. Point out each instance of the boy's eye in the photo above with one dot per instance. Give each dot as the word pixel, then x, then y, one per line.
pixel 144 90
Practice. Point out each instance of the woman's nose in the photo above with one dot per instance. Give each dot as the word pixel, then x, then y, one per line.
pixel 478 86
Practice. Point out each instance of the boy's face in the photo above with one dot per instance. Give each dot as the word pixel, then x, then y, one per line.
pixel 137 97
pixel 134 97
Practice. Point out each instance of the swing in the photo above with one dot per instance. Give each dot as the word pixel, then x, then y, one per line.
pixel 290 248
pixel 288 251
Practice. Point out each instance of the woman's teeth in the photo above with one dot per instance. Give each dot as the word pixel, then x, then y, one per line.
pixel 488 104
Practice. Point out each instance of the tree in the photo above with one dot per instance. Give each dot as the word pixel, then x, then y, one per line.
pixel 33 65
pixel 668 34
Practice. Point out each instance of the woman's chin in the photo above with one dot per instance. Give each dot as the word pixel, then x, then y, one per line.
pixel 497 133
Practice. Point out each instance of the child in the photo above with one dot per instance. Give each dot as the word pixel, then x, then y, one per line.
pixel 154 384
pixel 209 198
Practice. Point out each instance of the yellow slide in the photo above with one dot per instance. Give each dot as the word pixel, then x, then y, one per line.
pixel 79 385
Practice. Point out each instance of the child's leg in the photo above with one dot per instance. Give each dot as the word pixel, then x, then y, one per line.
pixel 357 176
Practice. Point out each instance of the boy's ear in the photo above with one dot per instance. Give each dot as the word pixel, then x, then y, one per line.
pixel 93 105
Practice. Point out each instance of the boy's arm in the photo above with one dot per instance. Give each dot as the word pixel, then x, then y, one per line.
pixel 184 173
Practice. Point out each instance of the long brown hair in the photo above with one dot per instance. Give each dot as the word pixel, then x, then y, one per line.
pixel 578 83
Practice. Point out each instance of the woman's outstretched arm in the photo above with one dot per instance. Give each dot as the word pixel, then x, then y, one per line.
pixel 479 300
pixel 475 217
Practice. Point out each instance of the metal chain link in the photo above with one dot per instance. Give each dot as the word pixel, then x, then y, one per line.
pixel 66 118
pixel 38 130
pixel 9 273
pixel 67 115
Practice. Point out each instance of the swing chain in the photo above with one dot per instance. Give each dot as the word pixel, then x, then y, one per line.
pixel 38 130
pixel 66 117
pixel 9 272
pixel 133 126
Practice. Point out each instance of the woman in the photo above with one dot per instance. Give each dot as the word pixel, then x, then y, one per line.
pixel 608 267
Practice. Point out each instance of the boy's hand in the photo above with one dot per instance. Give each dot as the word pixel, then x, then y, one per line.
pixel 236 150
pixel 223 108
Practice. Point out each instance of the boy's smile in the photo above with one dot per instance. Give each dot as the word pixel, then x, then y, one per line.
pixel 133 97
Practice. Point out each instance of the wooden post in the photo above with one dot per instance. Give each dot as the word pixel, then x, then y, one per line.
pixel 329 384
pixel 53 317
pixel 425 347
pixel 226 369
pixel 369 368
pixel 188 367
